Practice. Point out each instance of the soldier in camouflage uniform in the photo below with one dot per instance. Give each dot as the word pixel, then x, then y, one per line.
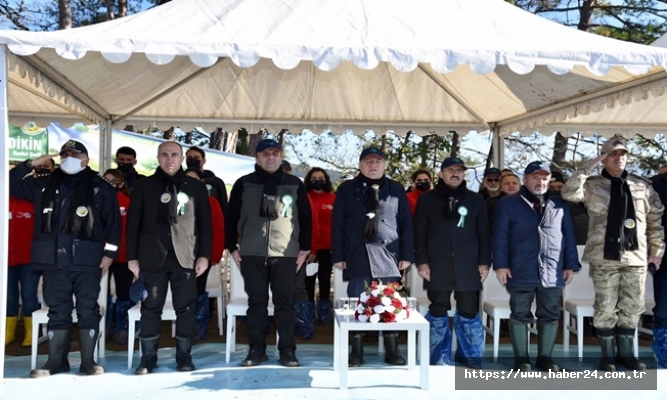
pixel 624 235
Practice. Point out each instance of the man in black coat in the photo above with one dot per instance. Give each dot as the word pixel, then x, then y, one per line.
pixel 169 242
pixel 76 238
pixel 453 252
pixel 126 159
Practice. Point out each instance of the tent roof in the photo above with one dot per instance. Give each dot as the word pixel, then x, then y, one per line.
pixel 421 65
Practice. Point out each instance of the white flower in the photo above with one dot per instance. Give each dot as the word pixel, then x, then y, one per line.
pixel 378 309
pixel 389 308
pixel 375 318
pixel 360 308
pixel 401 315
pixel 397 295
pixel 363 318
pixel 386 301
pixel 404 302
pixel 363 297
pixel 375 292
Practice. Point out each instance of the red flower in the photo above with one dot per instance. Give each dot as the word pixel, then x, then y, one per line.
pixel 388 317
pixel 374 285
pixel 396 303
pixel 372 302
pixel 356 315
pixel 389 291
pixel 368 312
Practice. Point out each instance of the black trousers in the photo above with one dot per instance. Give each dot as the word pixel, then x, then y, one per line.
pixel 59 286
pixel 324 269
pixel 184 292
pixel 279 273
pixel 300 283
pixel 521 301
pixel 123 278
pixel 467 303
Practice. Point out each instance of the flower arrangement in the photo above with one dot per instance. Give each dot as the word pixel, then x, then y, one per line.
pixel 381 303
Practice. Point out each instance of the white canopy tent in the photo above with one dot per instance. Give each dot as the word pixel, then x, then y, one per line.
pixel 420 65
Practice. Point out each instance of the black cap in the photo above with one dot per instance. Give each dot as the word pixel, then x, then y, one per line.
pixel 452 161
pixel 371 151
pixel 557 177
pixel 268 144
pixel 492 171
pixel 74 146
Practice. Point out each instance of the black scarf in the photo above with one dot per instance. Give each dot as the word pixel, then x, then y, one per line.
pixel 167 212
pixel 621 221
pixel 538 202
pixel 451 198
pixel 371 205
pixel 268 206
pixel 79 221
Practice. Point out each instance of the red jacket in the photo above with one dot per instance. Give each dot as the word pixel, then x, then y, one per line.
pixel 218 224
pixel 123 204
pixel 21 222
pixel 412 199
pixel 323 203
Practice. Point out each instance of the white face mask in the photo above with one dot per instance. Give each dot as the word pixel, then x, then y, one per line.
pixel 71 166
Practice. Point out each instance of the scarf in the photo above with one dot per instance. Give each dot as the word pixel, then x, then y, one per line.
pixel 451 197
pixel 167 212
pixel 621 233
pixel 538 202
pixel 371 205
pixel 79 220
pixel 268 208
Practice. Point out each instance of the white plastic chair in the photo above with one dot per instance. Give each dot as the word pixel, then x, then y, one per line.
pixel 41 317
pixel 238 306
pixel 214 289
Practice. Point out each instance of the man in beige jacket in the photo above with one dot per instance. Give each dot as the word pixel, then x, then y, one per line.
pixel 625 235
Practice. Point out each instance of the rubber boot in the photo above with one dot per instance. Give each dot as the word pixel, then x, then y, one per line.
pixel 470 336
pixel 27 334
pixel 356 358
pixel 303 325
pixel 660 346
pixel 546 339
pixel 183 354
pixel 10 329
pixel 324 313
pixel 624 351
pixel 440 338
pixel 606 339
pixel 519 336
pixel 202 316
pixel 59 343
pixel 122 321
pixel 87 343
pixel 392 354
pixel 148 356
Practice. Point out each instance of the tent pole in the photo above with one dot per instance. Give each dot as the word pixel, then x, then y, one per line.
pixel 105 146
pixel 498 148
pixel 4 201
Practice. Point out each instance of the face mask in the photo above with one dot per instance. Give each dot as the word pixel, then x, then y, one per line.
pixel 317 184
pixel 193 163
pixel 423 186
pixel 71 166
pixel 42 171
pixel 125 167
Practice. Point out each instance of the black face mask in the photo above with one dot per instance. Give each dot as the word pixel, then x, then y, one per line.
pixel 423 186
pixel 193 163
pixel 125 168
pixel 317 184
pixel 42 171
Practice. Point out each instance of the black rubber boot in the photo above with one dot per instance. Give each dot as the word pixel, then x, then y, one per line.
pixel 183 355
pixel 148 357
pixel 392 355
pixel 519 336
pixel 59 343
pixel 606 338
pixel 357 354
pixel 624 353
pixel 546 339
pixel 87 343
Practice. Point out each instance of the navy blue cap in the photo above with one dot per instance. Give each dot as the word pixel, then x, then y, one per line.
pixel 536 166
pixel 268 144
pixel 368 151
pixel 138 290
pixel 74 146
pixel 492 171
pixel 452 161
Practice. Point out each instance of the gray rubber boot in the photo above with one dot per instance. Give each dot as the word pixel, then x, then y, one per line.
pixel 519 335
pixel 546 339
pixel 606 338
pixel 624 351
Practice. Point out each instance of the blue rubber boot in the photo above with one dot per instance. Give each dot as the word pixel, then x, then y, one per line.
pixel 324 313
pixel 122 321
pixel 660 346
pixel 303 326
pixel 441 340
pixel 202 316
pixel 470 336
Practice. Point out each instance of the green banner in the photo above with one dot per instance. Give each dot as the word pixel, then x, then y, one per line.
pixel 27 142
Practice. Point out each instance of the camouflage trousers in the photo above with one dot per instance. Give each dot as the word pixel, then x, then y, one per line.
pixel 619 295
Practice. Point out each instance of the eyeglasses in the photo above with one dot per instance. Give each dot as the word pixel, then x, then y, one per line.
pixel 455 170
pixel 493 179
pixel 372 161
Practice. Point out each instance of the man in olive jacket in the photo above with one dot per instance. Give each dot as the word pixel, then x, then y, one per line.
pixel 452 244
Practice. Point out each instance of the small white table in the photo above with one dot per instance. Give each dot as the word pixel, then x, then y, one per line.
pixel 345 323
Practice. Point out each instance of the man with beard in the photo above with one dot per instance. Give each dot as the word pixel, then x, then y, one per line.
pixel 534 256
pixel 421 183
pixel 268 233
pixel 371 238
pixel 491 183
pixel 126 159
pixel 625 236
pixel 453 254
